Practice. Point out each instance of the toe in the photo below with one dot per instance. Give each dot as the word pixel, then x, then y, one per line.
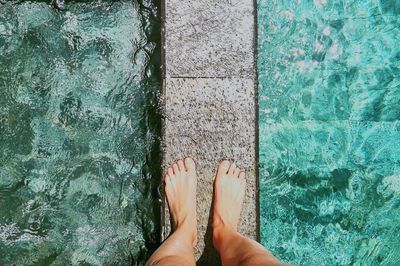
pixel 175 168
pixel 190 165
pixel 242 178
pixel 181 166
pixel 223 167
pixel 232 169
pixel 165 177
pixel 236 172
pixel 170 172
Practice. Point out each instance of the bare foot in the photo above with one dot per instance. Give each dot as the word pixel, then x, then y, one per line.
pixel 180 188
pixel 230 187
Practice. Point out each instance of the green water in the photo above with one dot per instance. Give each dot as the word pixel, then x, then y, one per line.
pixel 329 77
pixel 79 132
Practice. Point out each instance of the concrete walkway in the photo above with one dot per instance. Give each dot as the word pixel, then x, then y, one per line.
pixel 210 101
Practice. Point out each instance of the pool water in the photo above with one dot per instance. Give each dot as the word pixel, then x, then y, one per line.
pixel 329 151
pixel 79 132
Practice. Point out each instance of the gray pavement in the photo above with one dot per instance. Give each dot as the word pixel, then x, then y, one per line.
pixel 210 101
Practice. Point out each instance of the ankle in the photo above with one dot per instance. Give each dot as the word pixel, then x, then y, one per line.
pixel 222 234
pixel 222 227
pixel 188 228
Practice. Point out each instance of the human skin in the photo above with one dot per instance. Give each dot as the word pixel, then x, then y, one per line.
pixel 229 189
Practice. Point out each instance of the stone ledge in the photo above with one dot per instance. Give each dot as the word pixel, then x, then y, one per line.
pixel 208 38
pixel 210 120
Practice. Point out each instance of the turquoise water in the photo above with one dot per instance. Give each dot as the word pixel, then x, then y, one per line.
pixel 79 132
pixel 329 77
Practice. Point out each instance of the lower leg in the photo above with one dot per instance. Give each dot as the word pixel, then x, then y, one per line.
pixel 176 250
pixel 180 190
pixel 234 248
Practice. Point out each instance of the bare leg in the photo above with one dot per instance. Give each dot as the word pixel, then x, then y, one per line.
pixel 235 249
pixel 180 189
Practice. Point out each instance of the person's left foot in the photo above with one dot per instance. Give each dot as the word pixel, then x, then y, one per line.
pixel 180 188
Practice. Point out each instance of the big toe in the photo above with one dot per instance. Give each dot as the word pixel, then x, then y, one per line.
pixel 223 167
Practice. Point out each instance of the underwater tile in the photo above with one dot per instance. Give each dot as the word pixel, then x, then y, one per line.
pixel 331 175
pixel 78 134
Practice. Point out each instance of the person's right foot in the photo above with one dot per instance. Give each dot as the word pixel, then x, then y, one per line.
pixel 229 191
pixel 180 188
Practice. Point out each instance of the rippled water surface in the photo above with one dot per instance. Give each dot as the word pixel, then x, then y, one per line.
pixel 79 161
pixel 329 74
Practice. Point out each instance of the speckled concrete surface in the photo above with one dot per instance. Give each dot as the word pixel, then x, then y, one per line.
pixel 208 38
pixel 210 98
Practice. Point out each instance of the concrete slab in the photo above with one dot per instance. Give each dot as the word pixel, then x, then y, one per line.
pixel 210 111
pixel 209 38
pixel 211 119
